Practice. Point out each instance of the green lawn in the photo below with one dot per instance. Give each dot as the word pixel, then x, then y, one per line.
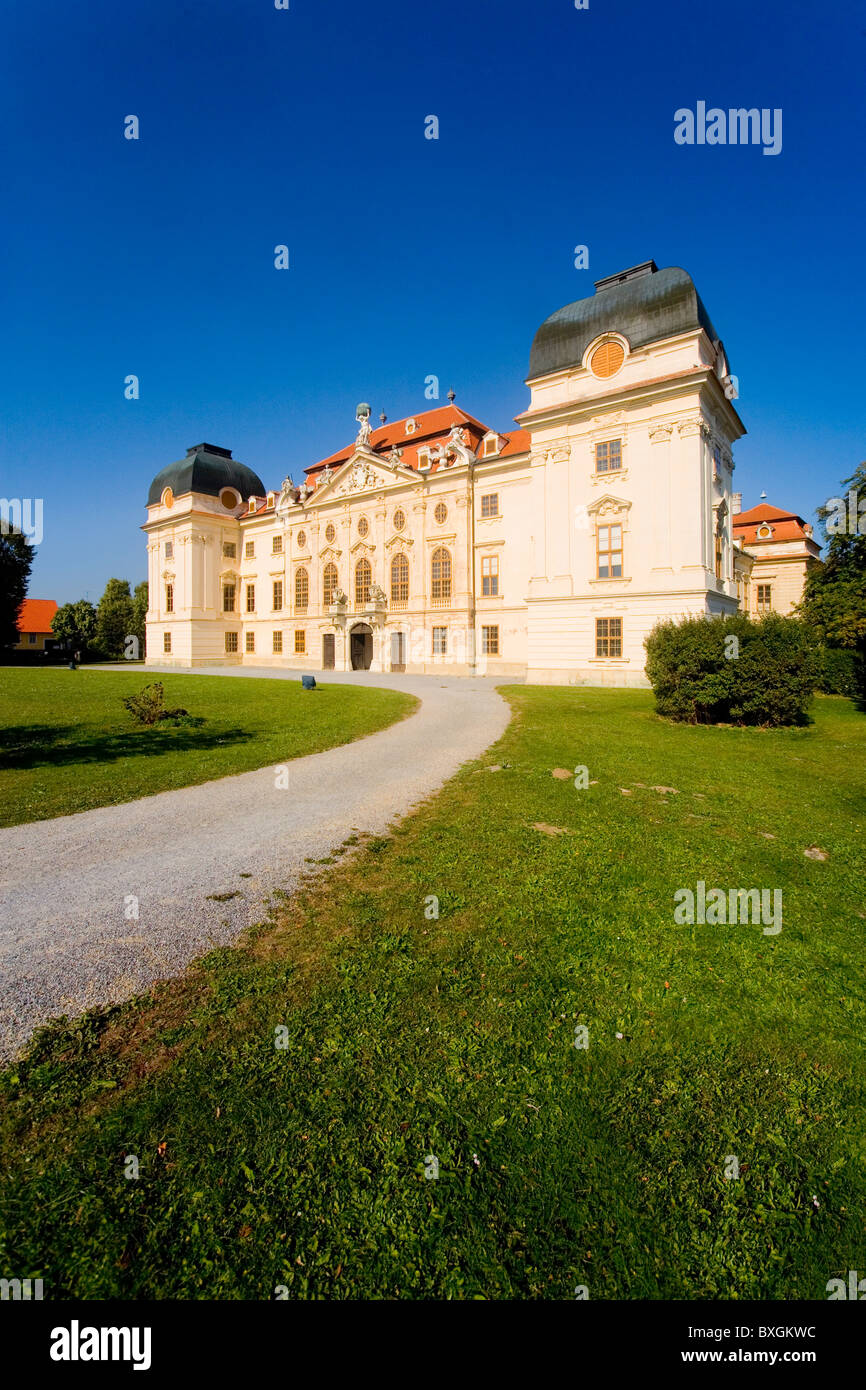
pixel 67 743
pixel 303 1167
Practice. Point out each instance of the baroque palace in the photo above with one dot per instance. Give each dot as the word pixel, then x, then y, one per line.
pixel 550 550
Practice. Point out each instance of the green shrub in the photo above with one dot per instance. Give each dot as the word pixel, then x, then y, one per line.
pixel 732 670
pixel 148 707
pixel 837 671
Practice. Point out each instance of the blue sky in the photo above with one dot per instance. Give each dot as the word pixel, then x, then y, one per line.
pixel 408 256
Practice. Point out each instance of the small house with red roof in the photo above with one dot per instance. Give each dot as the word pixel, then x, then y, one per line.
pixel 782 550
pixel 34 624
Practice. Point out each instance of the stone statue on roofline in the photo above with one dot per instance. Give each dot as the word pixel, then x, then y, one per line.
pixel 365 433
pixel 287 496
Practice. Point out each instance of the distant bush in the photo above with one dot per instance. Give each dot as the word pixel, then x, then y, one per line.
pixel 732 670
pixel 148 707
pixel 837 671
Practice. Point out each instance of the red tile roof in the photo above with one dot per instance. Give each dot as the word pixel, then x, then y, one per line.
pixel 36 614
pixel 431 427
pixel 786 526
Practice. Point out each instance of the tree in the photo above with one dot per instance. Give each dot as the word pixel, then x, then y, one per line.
pixel 115 618
pixel 139 609
pixel 834 597
pixel 16 562
pixel 75 624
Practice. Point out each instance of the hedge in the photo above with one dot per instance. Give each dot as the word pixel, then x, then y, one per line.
pixel 732 670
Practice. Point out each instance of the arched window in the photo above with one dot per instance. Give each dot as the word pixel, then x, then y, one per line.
pixel 441 574
pixel 302 590
pixel 399 579
pixel 330 581
pixel 363 576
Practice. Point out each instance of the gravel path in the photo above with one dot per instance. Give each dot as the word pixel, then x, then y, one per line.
pixel 65 941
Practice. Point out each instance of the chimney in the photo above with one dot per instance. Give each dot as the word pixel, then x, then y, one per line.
pixel 736 503
pixel 622 276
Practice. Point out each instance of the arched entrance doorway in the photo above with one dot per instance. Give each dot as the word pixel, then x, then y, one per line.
pixel 361 647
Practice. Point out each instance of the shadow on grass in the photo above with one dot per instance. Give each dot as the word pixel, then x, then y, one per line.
pixel 55 745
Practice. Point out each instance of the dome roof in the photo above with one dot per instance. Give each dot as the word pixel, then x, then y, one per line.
pixel 643 304
pixel 206 469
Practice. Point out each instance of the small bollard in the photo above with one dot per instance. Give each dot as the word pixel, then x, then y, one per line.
pixel 308 682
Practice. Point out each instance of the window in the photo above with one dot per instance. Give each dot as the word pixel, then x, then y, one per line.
pixel 229 550
pixel 231 641
pixel 491 446
pixel 609 540
pixel 252 504
pixel 490 504
pixel 490 641
pixel 424 458
pixel 489 576
pixel 410 426
pixel 31 638
pixel 300 641
pixel 270 501
pixel 278 595
pixel 399 520
pixel 277 643
pixel 330 533
pixel 363 578
pixel 302 590
pixel 167 497
pixel 228 598
pixel 277 545
pixel 166 641
pixel 608 456
pixel 250 642
pixel 363 526
pixel 720 555
pixel 607 359
pixel 608 637
pixel 229 498
pixel 302 540
pixel 169 598
pixel 169 550
pixel 440 641
pixel 330 583
pixel 251 598
pixel 440 573
pixel 765 532
pixel 765 598
pixel 441 512
pixel 399 579
pixel 250 550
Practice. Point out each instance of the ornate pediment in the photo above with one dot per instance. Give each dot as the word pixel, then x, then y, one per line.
pixel 398 539
pixel 330 552
pixel 363 472
pixel 608 505
pixel 364 547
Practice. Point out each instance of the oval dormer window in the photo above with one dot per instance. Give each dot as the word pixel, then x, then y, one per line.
pixel 229 498
pixel 167 497
pixel 607 359
pixel 764 532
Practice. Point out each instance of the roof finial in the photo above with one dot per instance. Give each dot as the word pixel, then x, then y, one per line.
pixel 452 395
pixel 763 496
pixel 383 417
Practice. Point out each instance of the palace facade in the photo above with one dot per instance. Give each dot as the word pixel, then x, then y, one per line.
pixel 550 550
